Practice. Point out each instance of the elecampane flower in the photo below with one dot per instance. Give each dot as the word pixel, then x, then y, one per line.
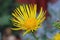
pixel 26 18
pixel 57 36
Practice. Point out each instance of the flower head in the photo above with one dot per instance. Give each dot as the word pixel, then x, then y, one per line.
pixel 57 36
pixel 26 18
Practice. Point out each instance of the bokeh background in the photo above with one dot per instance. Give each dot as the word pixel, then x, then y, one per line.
pixel 45 33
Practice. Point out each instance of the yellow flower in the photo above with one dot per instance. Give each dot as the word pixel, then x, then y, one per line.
pixel 26 18
pixel 57 36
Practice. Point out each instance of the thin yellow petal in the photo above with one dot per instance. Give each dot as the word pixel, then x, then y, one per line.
pixel 17 25
pixel 18 18
pixel 14 20
pixel 29 14
pixel 23 9
pixel 26 32
pixel 16 28
pixel 19 12
pixel 40 14
pixel 34 9
pixel 31 10
pixel 40 21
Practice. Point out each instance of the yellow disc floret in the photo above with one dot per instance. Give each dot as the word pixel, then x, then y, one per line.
pixel 31 24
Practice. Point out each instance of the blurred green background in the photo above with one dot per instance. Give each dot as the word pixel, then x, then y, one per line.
pixel 6 9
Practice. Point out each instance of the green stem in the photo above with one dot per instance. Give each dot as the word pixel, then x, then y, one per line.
pixel 34 36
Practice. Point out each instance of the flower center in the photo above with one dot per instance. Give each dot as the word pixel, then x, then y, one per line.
pixel 30 23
